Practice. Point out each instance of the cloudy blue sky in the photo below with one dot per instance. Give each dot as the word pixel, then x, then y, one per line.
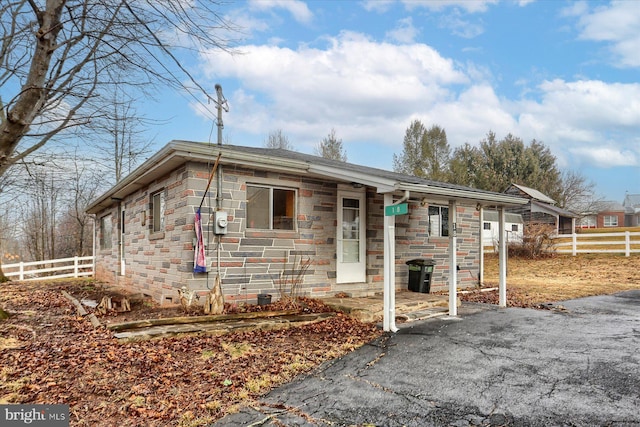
pixel 564 73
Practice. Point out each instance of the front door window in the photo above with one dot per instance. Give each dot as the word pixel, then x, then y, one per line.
pixel 350 230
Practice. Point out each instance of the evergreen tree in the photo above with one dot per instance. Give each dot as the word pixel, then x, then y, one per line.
pixel 494 165
pixel 426 152
pixel 410 161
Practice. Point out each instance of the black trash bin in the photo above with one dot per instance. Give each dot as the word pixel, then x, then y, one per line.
pixel 420 271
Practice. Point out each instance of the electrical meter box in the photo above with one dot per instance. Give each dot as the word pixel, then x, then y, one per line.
pixel 220 222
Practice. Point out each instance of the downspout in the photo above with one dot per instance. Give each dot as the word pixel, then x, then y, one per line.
pixel 404 198
pixel 93 245
pixel 482 233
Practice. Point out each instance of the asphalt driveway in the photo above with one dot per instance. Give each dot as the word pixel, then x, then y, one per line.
pixel 574 365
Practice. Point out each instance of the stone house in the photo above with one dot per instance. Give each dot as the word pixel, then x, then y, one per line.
pixel 268 212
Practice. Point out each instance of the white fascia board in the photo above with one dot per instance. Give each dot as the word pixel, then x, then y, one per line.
pixel 177 153
pixel 132 181
pixel 204 152
pixel 498 199
pixel 382 185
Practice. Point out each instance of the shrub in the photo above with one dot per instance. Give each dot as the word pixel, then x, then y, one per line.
pixel 536 242
pixel 291 280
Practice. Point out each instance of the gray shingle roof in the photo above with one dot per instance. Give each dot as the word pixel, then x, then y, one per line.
pixel 631 200
pixel 535 194
pixel 294 155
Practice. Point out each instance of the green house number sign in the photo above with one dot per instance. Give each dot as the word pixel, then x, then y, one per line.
pixel 401 209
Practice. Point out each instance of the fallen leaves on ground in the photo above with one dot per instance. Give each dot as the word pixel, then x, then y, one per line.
pixel 51 355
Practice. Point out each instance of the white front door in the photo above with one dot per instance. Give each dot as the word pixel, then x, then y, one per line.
pixel 351 239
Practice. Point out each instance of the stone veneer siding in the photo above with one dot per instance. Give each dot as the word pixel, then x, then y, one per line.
pixel 253 261
pixel 412 242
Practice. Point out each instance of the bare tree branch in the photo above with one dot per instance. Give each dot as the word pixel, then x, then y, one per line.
pixel 57 58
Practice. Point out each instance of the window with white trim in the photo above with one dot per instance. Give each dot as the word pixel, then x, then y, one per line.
pixel 438 221
pixel 157 211
pixel 610 221
pixel 271 208
pixel 588 222
pixel 106 228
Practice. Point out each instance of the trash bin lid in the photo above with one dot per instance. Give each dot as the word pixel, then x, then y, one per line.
pixel 420 261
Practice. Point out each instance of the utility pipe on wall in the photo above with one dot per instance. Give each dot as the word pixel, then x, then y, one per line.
pixel 221 104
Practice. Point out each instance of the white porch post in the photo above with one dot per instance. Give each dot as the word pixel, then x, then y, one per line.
pixel 453 259
pixel 389 306
pixel 502 257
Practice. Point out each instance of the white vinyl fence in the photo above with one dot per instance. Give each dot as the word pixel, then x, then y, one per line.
pixel 582 243
pixel 50 269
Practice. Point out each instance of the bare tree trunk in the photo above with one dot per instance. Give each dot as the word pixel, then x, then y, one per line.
pixel 32 98
pixel 3 278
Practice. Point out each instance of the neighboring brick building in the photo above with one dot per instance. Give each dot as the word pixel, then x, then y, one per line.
pixel 280 207
pixel 611 214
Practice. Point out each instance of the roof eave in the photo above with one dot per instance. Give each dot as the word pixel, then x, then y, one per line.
pixel 491 199
pixel 381 184
pixel 177 153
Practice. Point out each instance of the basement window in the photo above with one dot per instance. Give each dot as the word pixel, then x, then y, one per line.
pixel 438 221
pixel 270 208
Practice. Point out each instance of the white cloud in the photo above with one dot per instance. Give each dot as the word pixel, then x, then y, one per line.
pixel 593 103
pixel 371 91
pixel 380 6
pixel 607 157
pixel 471 6
pixel 617 24
pixel 353 76
pixel 577 8
pixel 296 8
pixel 589 120
pixel 404 32
pixel 469 117
pixel 459 26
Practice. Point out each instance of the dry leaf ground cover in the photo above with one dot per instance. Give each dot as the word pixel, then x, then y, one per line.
pixel 533 283
pixel 48 354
